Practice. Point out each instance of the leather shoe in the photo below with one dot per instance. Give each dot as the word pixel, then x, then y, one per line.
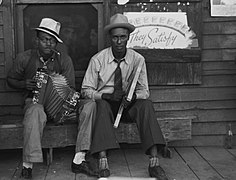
pixel 83 168
pixel 104 173
pixel 26 173
pixel 157 172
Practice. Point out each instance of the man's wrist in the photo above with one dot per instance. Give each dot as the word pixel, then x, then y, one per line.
pixel 106 96
pixel 134 97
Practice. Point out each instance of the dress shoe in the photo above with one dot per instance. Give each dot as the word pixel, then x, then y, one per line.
pixel 104 173
pixel 157 172
pixel 83 168
pixel 26 173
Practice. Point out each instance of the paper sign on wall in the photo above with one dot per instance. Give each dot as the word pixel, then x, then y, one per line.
pixel 223 7
pixel 160 30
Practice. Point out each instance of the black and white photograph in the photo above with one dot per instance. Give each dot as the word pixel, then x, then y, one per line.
pixel 117 89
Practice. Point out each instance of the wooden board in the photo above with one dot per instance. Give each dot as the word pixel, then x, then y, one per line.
pixel 214 115
pixel 174 73
pixel 233 151
pixel 197 164
pixel 191 94
pixel 219 80
pixel 56 136
pixel 176 128
pixel 159 94
pixel 221 160
pixel 230 65
pixel 1 34
pixel 118 164
pixel 10 160
pixel 1 15
pixel 204 140
pixel 212 128
pixel 62 158
pixel 218 54
pixel 1 45
pixel 186 106
pixel 177 169
pixel 219 28
pixel 137 162
pixel 219 41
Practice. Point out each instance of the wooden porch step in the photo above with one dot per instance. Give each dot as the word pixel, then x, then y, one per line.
pixel 173 128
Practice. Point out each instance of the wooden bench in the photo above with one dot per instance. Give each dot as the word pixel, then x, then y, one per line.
pixel 173 128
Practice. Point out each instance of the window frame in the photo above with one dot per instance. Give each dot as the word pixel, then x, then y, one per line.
pixel 20 5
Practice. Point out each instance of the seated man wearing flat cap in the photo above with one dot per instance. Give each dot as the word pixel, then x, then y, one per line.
pixel 106 81
pixel 22 76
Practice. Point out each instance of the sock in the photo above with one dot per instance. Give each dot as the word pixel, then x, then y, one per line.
pixel 153 161
pixel 103 164
pixel 79 157
pixel 28 165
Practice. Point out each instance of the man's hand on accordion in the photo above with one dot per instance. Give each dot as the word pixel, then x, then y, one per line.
pixel 30 84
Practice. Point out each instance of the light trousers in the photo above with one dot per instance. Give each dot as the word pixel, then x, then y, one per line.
pixel 35 120
pixel 87 113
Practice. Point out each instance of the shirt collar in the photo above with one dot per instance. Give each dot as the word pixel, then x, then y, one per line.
pixel 111 57
pixel 51 58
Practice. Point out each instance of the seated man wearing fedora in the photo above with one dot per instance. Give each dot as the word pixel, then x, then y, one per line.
pixel 21 76
pixel 106 81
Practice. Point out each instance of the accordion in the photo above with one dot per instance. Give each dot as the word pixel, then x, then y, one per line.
pixel 54 93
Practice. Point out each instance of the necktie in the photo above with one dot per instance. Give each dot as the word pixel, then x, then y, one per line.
pixel 118 76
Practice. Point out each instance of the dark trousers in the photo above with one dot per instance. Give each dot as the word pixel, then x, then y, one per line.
pixel 140 111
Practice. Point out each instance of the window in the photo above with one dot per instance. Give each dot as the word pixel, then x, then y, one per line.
pixel 81 26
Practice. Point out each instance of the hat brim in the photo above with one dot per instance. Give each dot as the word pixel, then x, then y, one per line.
pixel 109 27
pixel 46 31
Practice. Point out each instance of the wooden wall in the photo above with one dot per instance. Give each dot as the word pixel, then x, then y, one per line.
pixel 212 103
pixel 9 98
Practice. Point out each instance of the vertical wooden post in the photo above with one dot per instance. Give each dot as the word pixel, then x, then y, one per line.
pixel 106 17
pixel 49 156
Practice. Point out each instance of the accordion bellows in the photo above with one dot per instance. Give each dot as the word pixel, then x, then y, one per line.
pixel 55 94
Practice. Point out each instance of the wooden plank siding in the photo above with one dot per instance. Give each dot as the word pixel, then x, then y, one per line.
pixel 213 102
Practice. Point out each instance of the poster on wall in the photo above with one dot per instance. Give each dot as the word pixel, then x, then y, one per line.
pixel 223 7
pixel 160 30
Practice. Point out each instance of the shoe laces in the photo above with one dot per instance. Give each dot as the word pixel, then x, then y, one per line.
pixel 153 161
pixel 103 163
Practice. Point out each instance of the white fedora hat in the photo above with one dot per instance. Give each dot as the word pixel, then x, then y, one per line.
pixel 119 21
pixel 51 27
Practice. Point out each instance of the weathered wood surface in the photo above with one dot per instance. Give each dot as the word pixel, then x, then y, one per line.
pixel 176 168
pixel 118 164
pixel 220 55
pixel 9 161
pixel 212 101
pixel 138 162
pixel 54 136
pixel 197 164
pixel 11 135
pixel 221 160
pixel 130 162
pixel 180 55
pixel 62 159
pixel 174 73
pixel 219 28
pixel 8 44
pixel 158 94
